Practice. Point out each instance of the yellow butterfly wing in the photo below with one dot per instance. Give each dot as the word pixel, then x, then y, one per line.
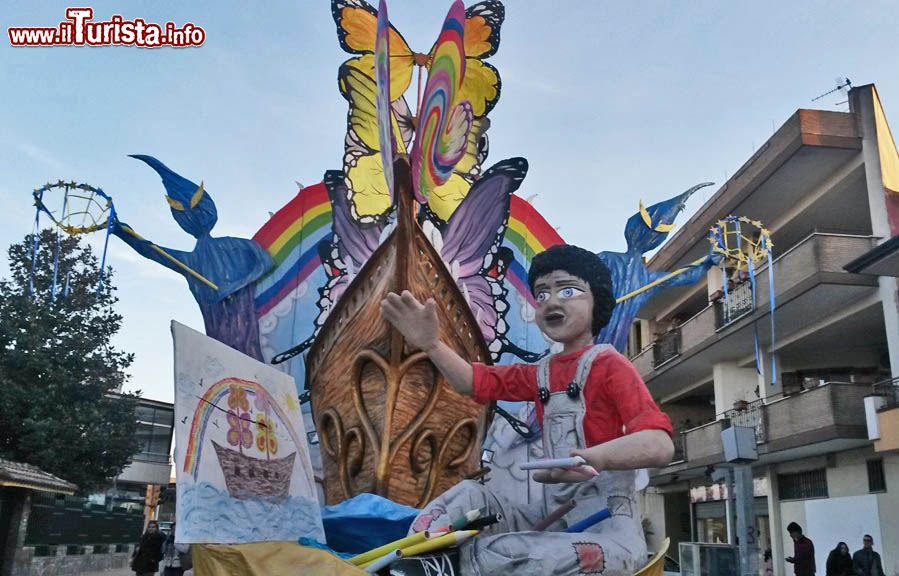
pixel 482 25
pixel 446 198
pixel 357 23
pixel 364 173
pixel 481 86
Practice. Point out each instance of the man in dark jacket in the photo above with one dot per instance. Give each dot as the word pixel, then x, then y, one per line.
pixel 866 562
pixel 803 558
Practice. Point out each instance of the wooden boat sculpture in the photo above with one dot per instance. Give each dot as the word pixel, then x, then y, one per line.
pixel 388 422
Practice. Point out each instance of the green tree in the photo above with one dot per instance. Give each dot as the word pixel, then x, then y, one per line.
pixel 58 366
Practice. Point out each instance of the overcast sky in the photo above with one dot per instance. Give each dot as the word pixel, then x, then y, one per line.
pixel 610 102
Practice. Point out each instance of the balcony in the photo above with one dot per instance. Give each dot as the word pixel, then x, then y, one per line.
pixel 888 416
pixel 751 415
pixel 665 348
pixel 810 286
pixel 737 304
pixel 814 421
pixel 832 411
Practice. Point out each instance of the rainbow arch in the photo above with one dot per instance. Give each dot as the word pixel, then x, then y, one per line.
pixel 207 405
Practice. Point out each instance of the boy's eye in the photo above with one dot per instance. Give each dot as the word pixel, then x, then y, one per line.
pixel 542 296
pixel 570 292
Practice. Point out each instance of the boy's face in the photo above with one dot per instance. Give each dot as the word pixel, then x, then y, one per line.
pixel 564 307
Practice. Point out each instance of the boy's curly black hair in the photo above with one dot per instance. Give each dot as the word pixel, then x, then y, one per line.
pixel 585 265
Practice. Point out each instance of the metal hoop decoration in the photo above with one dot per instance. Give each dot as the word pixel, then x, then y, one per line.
pixel 744 243
pixel 74 208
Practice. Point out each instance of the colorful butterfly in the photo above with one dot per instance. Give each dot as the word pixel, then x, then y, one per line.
pixel 362 163
pixel 356 26
pixel 366 182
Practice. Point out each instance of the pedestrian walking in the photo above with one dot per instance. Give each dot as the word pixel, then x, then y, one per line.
pixel 146 557
pixel 803 558
pixel 866 562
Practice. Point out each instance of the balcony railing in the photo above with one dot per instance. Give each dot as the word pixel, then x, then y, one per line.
pixel 737 305
pixel 750 415
pixel 666 347
pixel 830 411
pixel 889 389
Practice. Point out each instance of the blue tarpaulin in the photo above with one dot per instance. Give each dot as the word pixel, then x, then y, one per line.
pixel 365 522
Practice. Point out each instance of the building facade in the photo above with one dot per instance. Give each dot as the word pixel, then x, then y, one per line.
pixel 152 466
pixel 822 186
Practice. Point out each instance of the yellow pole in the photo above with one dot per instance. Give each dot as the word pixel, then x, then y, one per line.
pixel 655 283
pixel 172 259
pixel 445 541
pixel 366 557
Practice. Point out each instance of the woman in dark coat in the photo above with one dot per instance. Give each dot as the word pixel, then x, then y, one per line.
pixel 149 552
pixel 839 562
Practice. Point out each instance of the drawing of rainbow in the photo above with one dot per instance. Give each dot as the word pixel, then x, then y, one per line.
pixel 209 403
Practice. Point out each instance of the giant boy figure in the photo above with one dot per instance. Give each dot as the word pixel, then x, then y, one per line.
pixel 592 403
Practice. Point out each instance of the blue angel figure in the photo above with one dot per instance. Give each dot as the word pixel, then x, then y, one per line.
pixel 219 271
pixel 644 231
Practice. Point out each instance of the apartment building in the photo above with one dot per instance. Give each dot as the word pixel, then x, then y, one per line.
pixel 821 185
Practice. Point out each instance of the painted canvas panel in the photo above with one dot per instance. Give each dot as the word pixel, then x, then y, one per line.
pixel 244 473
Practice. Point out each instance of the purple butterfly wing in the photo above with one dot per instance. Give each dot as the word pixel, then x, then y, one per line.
pixel 479 292
pixel 474 231
pixel 354 240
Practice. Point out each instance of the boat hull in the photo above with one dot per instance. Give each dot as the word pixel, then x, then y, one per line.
pixel 250 478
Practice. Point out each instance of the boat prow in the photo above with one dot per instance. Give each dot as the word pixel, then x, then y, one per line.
pixel 388 422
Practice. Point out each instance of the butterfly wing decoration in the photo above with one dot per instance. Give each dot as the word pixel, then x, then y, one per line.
pixel 350 247
pixel 366 184
pixel 357 24
pixel 444 120
pixel 480 87
pixel 357 32
pixel 469 243
pixel 482 83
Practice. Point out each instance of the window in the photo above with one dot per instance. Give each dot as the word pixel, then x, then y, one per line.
pixel 802 485
pixel 876 480
pixel 154 433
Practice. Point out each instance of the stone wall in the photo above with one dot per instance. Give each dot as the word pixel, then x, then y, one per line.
pixel 63 564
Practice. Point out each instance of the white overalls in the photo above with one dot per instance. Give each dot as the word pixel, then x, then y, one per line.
pixel 616 546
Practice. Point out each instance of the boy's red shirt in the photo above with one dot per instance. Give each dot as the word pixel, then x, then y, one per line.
pixel 617 400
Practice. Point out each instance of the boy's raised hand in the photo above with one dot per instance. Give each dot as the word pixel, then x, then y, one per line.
pixel 417 322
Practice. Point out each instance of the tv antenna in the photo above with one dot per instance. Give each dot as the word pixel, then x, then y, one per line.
pixel 843 86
